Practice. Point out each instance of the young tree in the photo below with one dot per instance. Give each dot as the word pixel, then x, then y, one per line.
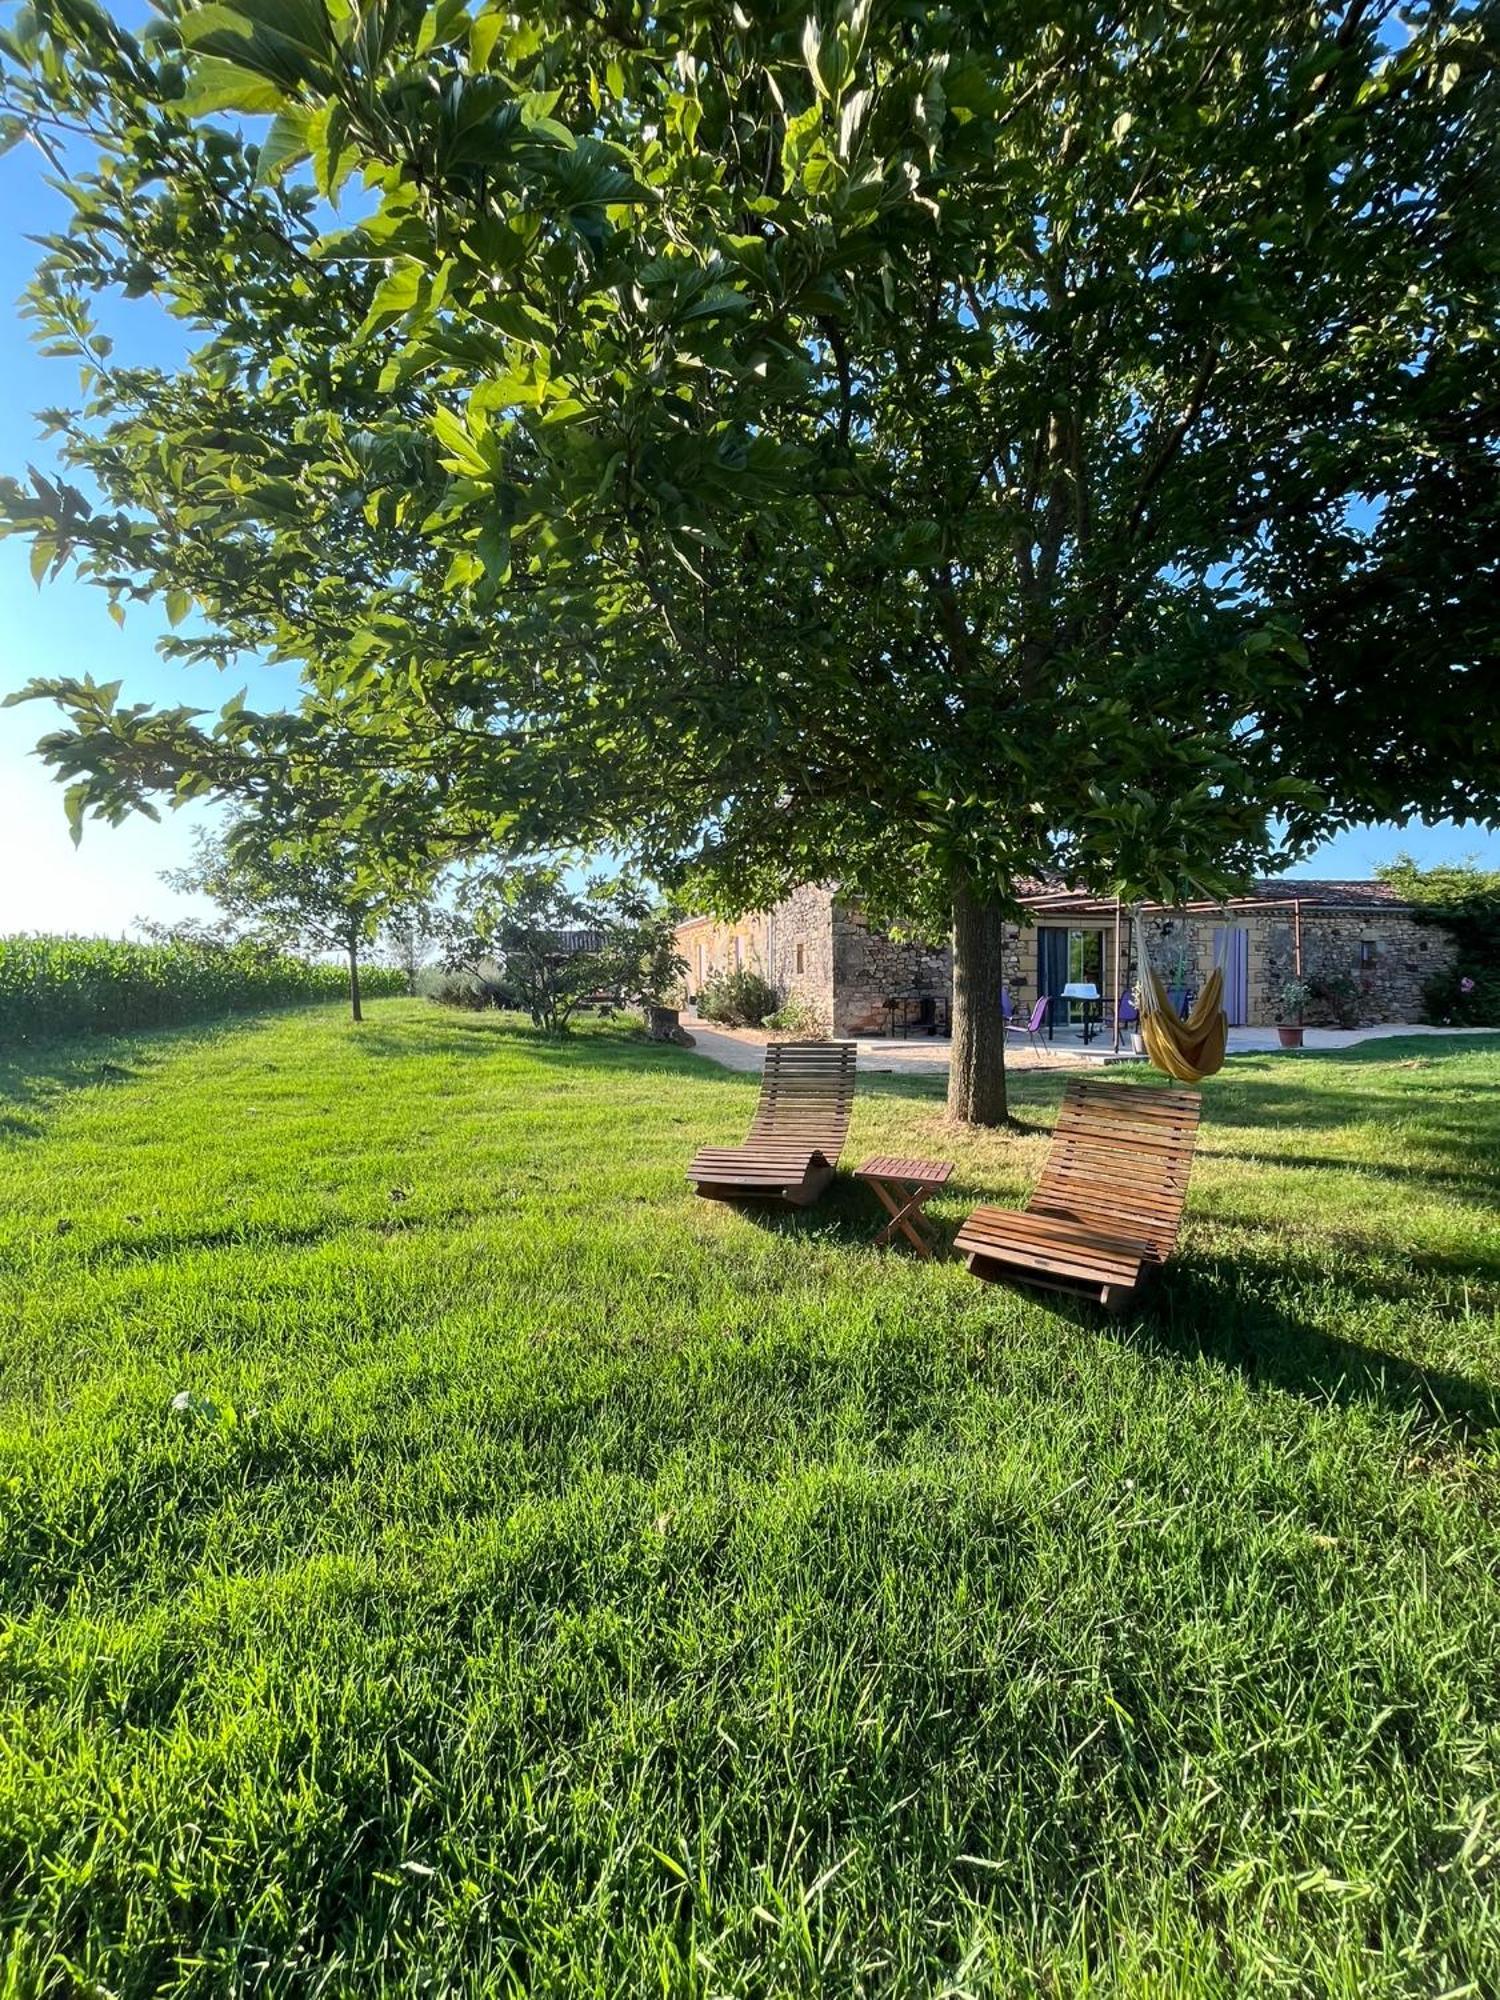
pixel 555 946
pixel 411 930
pixel 308 892
pixel 923 446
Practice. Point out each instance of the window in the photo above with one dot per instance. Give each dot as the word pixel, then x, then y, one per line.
pixel 801 958
pixel 1369 952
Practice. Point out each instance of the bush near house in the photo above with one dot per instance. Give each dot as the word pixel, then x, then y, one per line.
pixel 1334 999
pixel 1465 900
pixel 740 998
pixel 798 1018
pixel 77 985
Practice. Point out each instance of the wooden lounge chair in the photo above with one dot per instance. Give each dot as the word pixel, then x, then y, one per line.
pixel 801 1123
pixel 1107 1208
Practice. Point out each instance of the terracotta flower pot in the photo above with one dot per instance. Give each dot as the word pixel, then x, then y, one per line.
pixel 1289 1038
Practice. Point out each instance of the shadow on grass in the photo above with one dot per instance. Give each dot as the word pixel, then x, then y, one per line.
pixel 145 1247
pixel 1230 1315
pixel 35 1080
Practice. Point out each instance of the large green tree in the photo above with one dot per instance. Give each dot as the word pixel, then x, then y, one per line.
pixel 927 445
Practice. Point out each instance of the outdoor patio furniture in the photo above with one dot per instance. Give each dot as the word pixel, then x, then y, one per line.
pixel 926 1013
pixel 1108 1206
pixel 1032 1026
pixel 904 1186
pixel 799 1129
pixel 1087 994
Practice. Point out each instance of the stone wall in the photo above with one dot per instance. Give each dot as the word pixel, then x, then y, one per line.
pixel 1376 963
pixel 799 958
pixel 1384 960
pixel 870 969
pixel 711 947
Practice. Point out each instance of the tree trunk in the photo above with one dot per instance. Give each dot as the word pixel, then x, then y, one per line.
pixel 976 1073
pixel 354 1006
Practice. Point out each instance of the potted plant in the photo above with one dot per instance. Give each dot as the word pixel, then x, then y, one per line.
pixel 1293 1000
pixel 1135 1040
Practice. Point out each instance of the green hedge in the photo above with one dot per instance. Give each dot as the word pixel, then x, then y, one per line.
pixel 74 985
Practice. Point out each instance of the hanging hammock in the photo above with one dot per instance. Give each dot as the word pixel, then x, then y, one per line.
pixel 1187 1050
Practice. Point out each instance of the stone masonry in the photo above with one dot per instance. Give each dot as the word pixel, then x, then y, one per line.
pixel 1363 945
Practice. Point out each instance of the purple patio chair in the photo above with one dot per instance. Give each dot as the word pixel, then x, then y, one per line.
pixel 1032 1026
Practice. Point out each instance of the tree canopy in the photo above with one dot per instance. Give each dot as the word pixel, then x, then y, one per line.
pixel 923 445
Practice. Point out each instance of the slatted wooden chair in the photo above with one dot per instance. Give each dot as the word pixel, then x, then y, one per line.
pixel 801 1123
pixel 1108 1206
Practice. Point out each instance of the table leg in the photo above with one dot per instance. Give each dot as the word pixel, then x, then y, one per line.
pixel 915 1199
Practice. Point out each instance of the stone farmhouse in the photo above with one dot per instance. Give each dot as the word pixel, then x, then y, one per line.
pixel 1357 944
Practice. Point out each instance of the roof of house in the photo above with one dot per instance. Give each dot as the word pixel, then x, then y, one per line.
pixel 1308 890
pixel 1317 892
pixel 1320 893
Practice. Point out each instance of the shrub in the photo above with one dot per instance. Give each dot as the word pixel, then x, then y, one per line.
pixel 1464 999
pixel 1334 1000
pixel 798 1018
pixel 51 986
pixel 468 989
pixel 1291 1001
pixel 740 999
pixel 1465 901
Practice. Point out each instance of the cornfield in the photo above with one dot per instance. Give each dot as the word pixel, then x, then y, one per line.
pixel 53 986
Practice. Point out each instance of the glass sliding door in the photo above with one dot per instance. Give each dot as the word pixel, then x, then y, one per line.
pixel 1070 958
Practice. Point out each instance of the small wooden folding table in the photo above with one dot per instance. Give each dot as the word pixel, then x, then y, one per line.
pixel 904 1186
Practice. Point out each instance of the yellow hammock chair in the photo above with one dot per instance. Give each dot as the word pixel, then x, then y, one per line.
pixel 1187 1050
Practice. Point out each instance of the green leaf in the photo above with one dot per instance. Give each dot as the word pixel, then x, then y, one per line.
pixel 284 145
pixel 800 133
pixel 75 798
pixel 453 434
pixel 217 85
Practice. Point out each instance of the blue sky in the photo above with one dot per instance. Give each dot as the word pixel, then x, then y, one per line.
pixel 112 878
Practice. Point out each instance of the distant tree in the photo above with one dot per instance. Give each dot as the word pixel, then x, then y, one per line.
pixel 304 888
pixel 922 445
pixel 555 945
pixel 410 931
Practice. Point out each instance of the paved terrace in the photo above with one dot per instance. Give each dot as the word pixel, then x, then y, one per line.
pixel 927 1055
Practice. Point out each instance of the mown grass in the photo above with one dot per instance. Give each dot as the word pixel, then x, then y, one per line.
pixel 560 1585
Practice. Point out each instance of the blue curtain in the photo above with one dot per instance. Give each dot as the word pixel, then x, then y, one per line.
pixel 1232 951
pixel 1051 961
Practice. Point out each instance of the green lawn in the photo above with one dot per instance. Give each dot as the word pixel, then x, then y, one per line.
pixel 560 1585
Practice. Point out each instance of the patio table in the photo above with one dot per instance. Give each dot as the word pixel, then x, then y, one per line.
pixel 1086 991
pixel 904 1185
